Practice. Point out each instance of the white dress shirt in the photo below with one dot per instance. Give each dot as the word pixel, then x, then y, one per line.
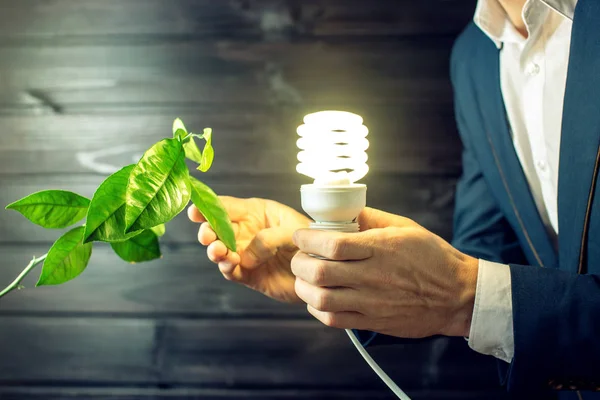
pixel 533 75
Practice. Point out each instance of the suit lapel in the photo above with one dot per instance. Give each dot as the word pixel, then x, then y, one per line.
pixel 507 162
pixel 580 137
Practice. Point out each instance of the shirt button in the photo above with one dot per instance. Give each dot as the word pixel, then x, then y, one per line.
pixel 541 165
pixel 533 69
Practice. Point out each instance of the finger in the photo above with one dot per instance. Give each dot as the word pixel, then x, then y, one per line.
pixel 218 252
pixel 206 235
pixel 333 245
pixel 194 214
pixel 371 218
pixel 233 276
pixel 324 273
pixel 228 265
pixel 341 320
pixel 264 246
pixel 237 274
pixel 327 299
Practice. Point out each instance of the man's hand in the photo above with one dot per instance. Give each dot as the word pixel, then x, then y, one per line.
pixel 395 278
pixel 263 232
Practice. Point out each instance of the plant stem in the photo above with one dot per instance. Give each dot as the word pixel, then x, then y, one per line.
pixel 16 283
pixel 191 135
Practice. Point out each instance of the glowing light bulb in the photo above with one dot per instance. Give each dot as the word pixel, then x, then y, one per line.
pixel 333 145
pixel 332 152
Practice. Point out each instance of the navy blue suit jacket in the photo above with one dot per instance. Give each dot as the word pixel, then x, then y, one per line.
pixel 555 288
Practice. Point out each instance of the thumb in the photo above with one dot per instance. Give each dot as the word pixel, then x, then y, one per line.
pixel 265 245
pixel 371 218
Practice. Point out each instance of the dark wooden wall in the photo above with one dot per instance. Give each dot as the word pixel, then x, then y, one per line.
pixel 87 85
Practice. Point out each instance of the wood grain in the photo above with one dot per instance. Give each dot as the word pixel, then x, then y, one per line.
pixel 77 79
pixel 426 199
pixel 85 393
pixel 183 283
pixel 87 85
pixel 28 21
pixel 416 140
pixel 254 354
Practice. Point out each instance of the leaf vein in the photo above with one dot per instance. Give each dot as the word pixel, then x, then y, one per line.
pixel 162 184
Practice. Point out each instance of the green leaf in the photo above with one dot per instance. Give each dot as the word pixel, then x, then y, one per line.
pixel 192 151
pixel 208 155
pixel 158 188
pixel 213 210
pixel 159 230
pixel 52 208
pixel 143 247
pixel 66 259
pixel 106 214
pixel 177 126
pixel 207 135
pixel 180 134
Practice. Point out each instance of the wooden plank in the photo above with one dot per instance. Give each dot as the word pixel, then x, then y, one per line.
pixel 183 283
pixel 70 79
pixel 67 393
pixel 411 139
pixel 226 58
pixel 52 393
pixel 326 353
pixel 28 21
pixel 77 349
pixel 222 354
pixel 426 199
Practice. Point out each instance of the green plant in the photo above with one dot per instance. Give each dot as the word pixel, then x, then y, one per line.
pixel 129 209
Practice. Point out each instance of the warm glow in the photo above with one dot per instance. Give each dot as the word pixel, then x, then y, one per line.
pixel 333 145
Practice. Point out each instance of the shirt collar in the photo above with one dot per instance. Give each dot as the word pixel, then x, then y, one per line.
pixel 491 18
pixel 564 7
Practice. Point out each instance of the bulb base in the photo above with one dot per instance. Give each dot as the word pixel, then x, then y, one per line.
pixel 348 227
pixel 334 207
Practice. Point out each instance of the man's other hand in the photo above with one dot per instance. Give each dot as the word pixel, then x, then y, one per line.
pixel 395 278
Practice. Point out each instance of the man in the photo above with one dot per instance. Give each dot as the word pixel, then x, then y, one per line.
pixel 526 76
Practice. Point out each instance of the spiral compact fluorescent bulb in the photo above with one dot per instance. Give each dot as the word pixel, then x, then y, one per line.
pixel 332 151
pixel 333 145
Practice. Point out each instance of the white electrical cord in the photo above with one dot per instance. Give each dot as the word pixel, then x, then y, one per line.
pixel 375 367
pixel 353 227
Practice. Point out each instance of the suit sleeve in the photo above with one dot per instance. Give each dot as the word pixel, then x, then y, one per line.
pixel 556 319
pixel 556 314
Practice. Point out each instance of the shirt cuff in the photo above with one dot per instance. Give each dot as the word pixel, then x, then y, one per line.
pixel 492 323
